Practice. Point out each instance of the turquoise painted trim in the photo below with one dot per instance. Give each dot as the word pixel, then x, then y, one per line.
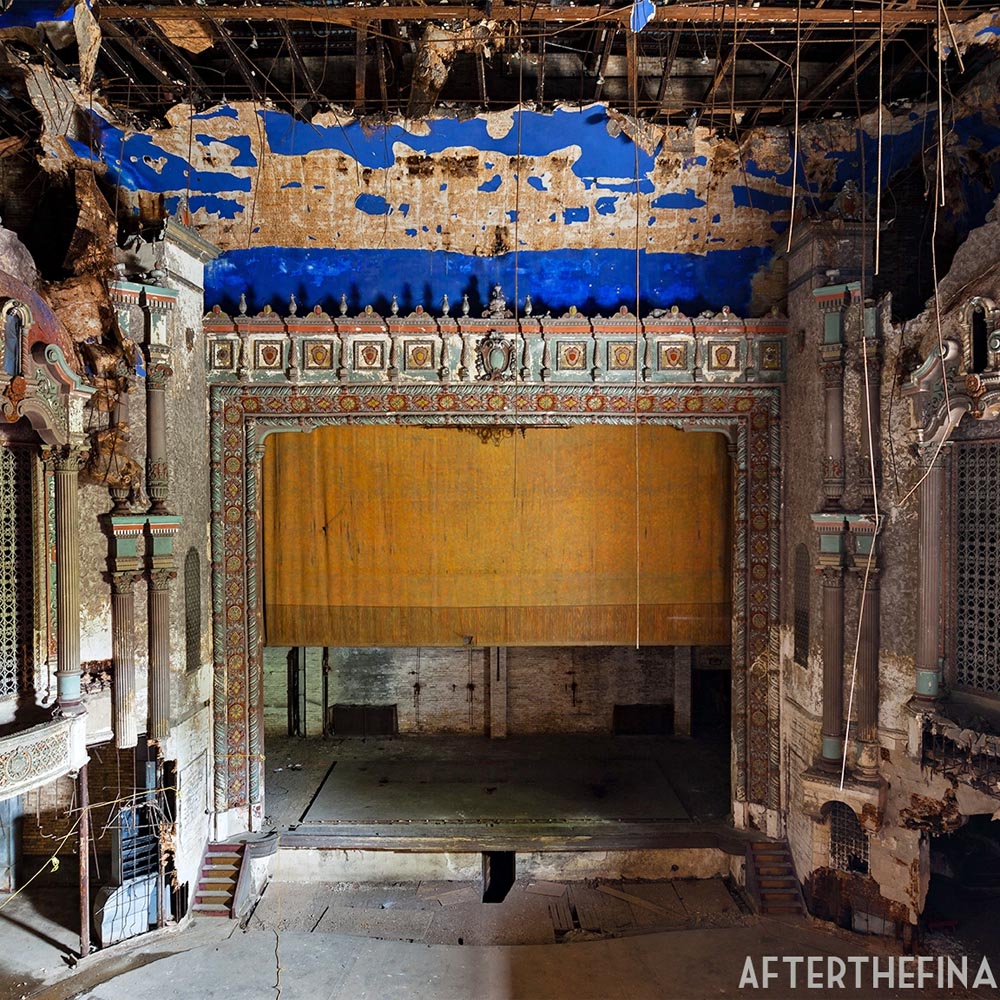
pixel 833 748
pixel 832 328
pixel 928 683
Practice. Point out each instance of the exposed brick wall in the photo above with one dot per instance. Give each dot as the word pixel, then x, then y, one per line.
pixel 542 697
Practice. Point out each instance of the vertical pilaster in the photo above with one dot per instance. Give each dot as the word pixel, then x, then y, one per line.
pixel 160 570
pixel 865 567
pixel 832 370
pixel 159 653
pixel 869 365
pixel 682 690
pixel 158 372
pixel 830 528
pixel 66 466
pixel 125 533
pixel 929 585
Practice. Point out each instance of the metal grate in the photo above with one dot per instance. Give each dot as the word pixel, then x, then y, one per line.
pixel 977 566
pixel 848 842
pixel 802 580
pixel 192 610
pixel 17 603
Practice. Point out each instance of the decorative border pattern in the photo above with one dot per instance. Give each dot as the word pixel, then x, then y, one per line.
pixel 243 416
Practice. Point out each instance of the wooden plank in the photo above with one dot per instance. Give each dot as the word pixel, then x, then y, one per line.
pixel 546 888
pixel 672 14
pixel 644 904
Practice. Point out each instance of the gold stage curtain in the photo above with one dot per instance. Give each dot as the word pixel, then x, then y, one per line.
pixel 414 536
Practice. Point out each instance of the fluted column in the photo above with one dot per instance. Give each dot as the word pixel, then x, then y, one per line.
pixel 157 472
pixel 123 658
pixel 832 370
pixel 928 673
pixel 870 350
pixel 66 464
pixel 833 668
pixel 867 690
pixel 158 726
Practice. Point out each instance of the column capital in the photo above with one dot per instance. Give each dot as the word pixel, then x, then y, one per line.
pixel 123 580
pixel 160 576
pixel 68 458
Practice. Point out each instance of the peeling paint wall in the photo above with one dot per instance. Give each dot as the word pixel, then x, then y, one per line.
pixel 423 209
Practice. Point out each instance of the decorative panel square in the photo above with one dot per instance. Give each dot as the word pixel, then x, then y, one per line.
pixel 267 355
pixel 571 356
pixel 621 357
pixel 319 354
pixel 223 355
pixel 419 355
pixel 770 355
pixel 368 355
pixel 724 357
pixel 673 356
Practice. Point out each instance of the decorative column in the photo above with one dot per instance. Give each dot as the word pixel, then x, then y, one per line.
pixel 67 462
pixel 831 299
pixel 160 571
pixel 832 370
pixel 830 528
pixel 871 410
pixel 123 564
pixel 928 679
pixel 158 372
pixel 865 567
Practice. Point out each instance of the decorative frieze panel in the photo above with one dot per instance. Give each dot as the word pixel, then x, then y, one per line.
pixel 36 756
pixel 664 346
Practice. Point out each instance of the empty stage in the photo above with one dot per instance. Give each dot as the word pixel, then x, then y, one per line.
pixel 449 793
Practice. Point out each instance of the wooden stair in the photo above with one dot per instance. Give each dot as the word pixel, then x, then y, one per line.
pixel 772 881
pixel 220 871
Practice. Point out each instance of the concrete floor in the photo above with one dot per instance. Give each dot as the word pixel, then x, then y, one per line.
pixel 215 960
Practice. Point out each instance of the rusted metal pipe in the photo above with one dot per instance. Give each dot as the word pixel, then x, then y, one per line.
pixel 84 850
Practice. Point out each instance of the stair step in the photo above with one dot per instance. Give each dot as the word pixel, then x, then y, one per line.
pixel 210 911
pixel 777 882
pixel 217 893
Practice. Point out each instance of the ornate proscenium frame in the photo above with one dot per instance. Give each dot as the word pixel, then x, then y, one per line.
pixel 244 413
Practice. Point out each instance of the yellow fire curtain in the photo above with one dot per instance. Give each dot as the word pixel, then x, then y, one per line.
pixel 413 536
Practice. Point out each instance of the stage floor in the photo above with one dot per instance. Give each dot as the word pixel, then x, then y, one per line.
pixel 488 789
pixel 464 790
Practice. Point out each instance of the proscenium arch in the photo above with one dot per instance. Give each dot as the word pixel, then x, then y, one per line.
pixel 244 415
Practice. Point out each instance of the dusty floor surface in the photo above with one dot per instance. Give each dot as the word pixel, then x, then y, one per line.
pixel 685 940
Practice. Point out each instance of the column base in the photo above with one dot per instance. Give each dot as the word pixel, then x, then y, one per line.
pixel 927 685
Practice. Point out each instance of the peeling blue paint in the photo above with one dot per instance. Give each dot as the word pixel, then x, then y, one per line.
pixel 512 215
pixel 127 158
pixel 606 206
pixel 571 215
pixel 592 280
pixel 537 183
pixel 716 218
pixel 81 149
pixel 990 29
pixel 444 187
pixel 605 161
pixel 765 201
pixel 291 184
pixel 674 199
pixel 410 232
pixel 492 184
pixel 319 187
pixel 372 204
pixel 226 111
pixel 31 12
pixel 225 208
pixel 404 209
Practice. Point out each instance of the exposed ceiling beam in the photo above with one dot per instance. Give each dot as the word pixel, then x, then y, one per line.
pixel 668 67
pixel 672 14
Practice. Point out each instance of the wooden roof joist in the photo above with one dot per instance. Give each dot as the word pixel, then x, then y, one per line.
pixel 925 13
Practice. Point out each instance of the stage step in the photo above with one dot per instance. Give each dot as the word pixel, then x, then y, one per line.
pixel 220 871
pixel 771 880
